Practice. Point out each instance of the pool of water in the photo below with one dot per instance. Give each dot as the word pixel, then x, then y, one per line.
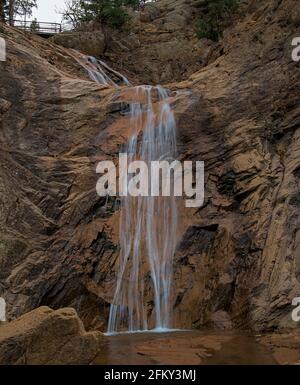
pixel 183 348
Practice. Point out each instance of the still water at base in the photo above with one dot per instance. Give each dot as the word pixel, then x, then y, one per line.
pixel 183 348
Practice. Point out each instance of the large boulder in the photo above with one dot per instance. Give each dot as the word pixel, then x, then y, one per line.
pixel 45 337
pixel 90 43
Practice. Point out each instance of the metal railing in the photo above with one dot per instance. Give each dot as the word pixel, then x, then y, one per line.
pixel 39 28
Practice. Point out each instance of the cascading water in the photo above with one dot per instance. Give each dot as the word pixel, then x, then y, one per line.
pixel 97 69
pixel 148 225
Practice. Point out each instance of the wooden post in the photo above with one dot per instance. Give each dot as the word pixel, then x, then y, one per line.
pixel 11 12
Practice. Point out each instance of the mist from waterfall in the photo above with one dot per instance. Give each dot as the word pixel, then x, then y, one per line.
pixel 148 225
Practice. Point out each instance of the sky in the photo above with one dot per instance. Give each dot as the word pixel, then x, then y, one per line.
pixel 46 10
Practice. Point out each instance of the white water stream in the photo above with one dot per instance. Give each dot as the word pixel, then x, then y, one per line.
pixel 148 225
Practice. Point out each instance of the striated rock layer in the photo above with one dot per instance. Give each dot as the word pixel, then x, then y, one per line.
pixel 237 262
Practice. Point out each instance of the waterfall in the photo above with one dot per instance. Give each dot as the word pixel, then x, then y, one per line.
pixel 98 70
pixel 148 225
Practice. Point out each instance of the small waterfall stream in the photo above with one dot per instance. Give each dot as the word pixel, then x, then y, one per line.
pixel 97 70
pixel 148 225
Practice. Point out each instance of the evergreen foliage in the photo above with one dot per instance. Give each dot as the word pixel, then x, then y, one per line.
pixel 217 14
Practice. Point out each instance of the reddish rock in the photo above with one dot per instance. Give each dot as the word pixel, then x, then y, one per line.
pixel 237 256
pixel 47 337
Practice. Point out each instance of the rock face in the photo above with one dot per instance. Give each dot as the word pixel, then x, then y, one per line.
pixel 90 43
pixel 47 337
pixel 51 125
pixel 161 46
pixel 238 257
pixel 241 253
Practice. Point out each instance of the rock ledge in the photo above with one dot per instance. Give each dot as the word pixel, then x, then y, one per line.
pixel 48 337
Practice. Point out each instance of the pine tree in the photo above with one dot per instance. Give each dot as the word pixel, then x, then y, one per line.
pixel 2 10
pixel 106 12
pixel 24 7
pixel 217 14
pixel 10 9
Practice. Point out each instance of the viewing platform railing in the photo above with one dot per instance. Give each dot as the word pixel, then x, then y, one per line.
pixel 39 28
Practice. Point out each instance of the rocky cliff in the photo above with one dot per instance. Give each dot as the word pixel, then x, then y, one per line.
pixel 237 263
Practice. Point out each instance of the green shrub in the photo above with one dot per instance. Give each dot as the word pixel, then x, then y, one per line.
pixel 208 29
pixel 117 18
pixel 113 14
pixel 106 12
pixel 216 17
